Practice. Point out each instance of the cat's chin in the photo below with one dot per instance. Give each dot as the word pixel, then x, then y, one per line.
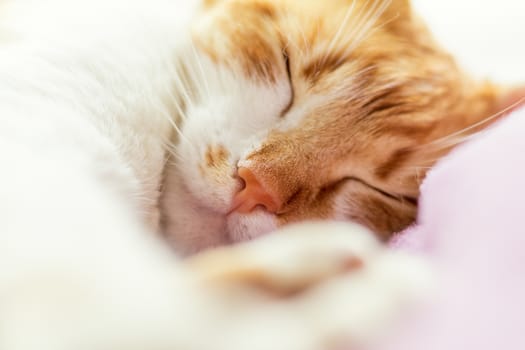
pixel 245 227
pixel 208 230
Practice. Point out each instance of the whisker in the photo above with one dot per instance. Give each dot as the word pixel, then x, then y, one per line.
pixel 181 86
pixel 178 107
pixel 171 96
pixel 358 22
pixel 366 35
pixel 457 136
pixel 335 40
pixel 173 159
pixel 176 127
pixel 307 46
pixel 362 30
pixel 174 156
pixel 204 79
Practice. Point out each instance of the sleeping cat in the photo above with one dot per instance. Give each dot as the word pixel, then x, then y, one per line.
pixel 302 110
pixel 88 102
pixel 272 112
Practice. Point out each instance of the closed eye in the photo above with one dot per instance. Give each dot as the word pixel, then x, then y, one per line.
pixel 392 196
pixel 286 57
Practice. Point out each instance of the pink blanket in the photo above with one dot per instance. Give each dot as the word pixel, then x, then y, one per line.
pixel 472 226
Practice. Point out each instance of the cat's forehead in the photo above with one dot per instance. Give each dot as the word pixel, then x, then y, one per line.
pixel 342 50
pixel 310 16
pixel 242 35
pixel 253 35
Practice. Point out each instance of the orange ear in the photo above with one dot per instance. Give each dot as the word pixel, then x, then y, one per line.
pixel 492 102
pixel 510 99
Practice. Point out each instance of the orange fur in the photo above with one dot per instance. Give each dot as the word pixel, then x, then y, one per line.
pixel 391 94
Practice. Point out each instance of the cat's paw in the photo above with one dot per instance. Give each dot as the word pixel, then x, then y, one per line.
pixel 319 283
pixel 290 261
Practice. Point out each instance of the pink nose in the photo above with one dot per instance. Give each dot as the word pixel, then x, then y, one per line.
pixel 253 194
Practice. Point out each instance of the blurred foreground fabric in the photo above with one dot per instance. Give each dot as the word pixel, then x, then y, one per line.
pixel 472 228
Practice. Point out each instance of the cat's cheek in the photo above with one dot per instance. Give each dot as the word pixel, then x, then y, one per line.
pixel 186 224
pixel 247 227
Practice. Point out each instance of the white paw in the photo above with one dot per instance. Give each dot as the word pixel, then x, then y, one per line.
pixel 306 287
pixel 309 286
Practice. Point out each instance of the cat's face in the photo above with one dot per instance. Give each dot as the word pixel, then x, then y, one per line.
pixel 305 109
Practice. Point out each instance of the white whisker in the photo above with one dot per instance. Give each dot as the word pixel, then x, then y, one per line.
pixel 175 126
pixel 457 137
pixel 204 79
pixel 367 33
pixel 335 40
pixel 361 30
pixel 181 85
pixel 307 47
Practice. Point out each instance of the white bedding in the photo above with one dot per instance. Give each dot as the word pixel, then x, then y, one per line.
pixel 484 35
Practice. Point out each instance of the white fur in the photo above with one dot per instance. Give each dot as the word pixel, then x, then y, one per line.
pixel 82 129
pixel 237 113
pixel 234 112
pixel 485 36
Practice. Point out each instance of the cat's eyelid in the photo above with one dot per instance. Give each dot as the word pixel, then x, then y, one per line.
pixel 286 57
pixel 392 196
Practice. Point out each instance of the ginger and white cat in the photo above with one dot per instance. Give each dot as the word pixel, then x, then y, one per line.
pixel 285 110
pixel 308 110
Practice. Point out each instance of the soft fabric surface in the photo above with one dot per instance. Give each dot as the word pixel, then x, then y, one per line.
pixel 472 227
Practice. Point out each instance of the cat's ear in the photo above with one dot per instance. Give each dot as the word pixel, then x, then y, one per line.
pixel 490 102
pixel 509 99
